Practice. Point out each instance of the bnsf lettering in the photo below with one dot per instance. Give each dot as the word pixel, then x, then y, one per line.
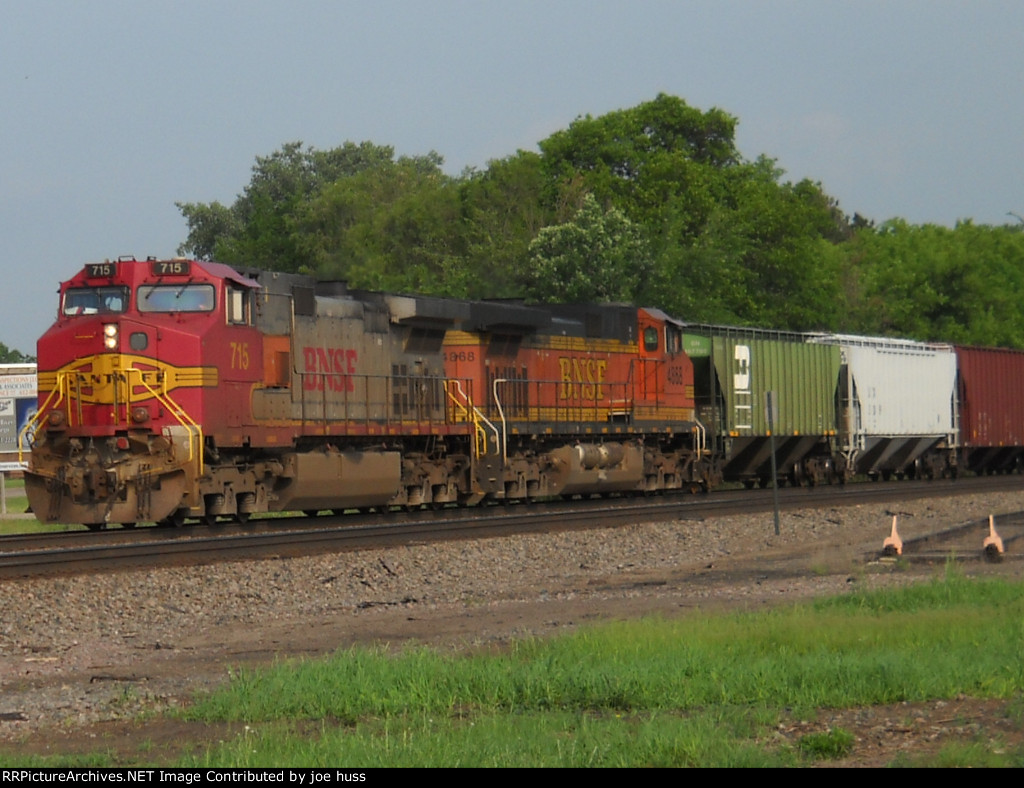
pixel 582 378
pixel 330 367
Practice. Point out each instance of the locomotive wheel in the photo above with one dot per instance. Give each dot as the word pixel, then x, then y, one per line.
pixel 174 520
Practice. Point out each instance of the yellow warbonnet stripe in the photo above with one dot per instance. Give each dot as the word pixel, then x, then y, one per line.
pixel 93 377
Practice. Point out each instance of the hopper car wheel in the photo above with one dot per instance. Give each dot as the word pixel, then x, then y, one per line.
pixel 127 525
pixel 241 517
pixel 95 526
pixel 311 512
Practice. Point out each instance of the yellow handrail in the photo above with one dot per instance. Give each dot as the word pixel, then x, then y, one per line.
pixel 123 387
pixel 34 424
pixel 186 421
pixel 472 414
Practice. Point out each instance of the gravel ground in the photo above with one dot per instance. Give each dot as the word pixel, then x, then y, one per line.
pixel 98 649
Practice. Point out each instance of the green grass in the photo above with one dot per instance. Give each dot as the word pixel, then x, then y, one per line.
pixel 699 691
pixel 17 504
pixel 17 522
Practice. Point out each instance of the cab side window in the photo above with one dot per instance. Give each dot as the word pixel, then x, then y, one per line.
pixel 650 339
pixel 673 340
pixel 238 306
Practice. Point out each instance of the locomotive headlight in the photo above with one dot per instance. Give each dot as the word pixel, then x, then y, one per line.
pixel 110 336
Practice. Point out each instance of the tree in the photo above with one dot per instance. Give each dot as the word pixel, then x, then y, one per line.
pixel 652 204
pixel 392 227
pixel 259 228
pixel 599 256
pixel 11 356
pixel 501 210
pixel 928 282
pixel 643 159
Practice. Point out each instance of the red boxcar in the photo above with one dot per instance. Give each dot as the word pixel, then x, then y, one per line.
pixel 991 408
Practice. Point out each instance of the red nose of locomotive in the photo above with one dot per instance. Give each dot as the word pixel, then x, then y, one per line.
pixel 117 436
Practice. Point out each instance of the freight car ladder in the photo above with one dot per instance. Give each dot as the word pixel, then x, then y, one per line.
pixel 467 411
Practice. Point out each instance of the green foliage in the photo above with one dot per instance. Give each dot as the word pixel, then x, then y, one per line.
pixel 599 256
pixel 831 744
pixel 652 204
pixel 935 283
pixel 700 691
pixel 805 657
pixel 386 228
pixel 12 356
pixel 501 212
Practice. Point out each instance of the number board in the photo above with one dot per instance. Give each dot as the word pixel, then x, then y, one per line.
pixel 100 270
pixel 171 268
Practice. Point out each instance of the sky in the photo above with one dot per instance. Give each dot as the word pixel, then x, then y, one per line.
pixel 111 111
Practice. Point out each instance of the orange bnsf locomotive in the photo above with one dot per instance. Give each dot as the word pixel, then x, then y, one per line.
pixel 173 389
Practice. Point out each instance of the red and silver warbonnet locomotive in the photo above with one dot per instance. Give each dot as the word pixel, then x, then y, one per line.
pixel 178 388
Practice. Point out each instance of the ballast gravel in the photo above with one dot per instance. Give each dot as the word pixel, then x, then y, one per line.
pixel 78 650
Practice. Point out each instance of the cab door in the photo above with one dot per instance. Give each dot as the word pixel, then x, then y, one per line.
pixel 242 354
pixel 666 372
pixel 650 376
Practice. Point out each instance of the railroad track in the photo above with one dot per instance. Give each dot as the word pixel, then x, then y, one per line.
pixel 78 552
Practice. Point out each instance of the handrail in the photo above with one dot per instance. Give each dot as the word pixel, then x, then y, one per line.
pixel 194 430
pixel 700 437
pixel 474 414
pixel 123 386
pixel 35 423
pixel 501 414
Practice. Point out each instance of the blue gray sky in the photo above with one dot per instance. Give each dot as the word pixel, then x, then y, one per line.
pixel 113 110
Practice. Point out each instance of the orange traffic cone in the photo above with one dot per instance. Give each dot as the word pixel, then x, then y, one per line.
pixel 893 545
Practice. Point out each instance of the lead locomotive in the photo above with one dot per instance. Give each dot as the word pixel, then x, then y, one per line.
pixel 178 388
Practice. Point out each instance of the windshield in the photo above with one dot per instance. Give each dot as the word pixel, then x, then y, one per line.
pixel 176 298
pixel 95 300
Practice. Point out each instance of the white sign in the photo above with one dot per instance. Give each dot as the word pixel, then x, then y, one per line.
pixel 17 386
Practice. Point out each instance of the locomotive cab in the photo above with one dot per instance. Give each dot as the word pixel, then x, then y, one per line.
pixel 127 375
